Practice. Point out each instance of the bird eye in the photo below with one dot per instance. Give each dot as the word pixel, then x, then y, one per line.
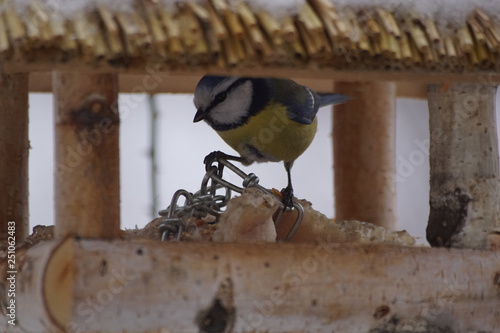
pixel 220 97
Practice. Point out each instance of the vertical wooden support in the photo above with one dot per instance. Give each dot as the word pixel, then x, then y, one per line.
pixel 364 153
pixel 464 191
pixel 87 180
pixel 14 151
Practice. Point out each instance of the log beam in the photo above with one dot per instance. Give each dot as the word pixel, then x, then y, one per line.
pixel 354 75
pixel 87 179
pixel 464 192
pixel 155 82
pixel 111 286
pixel 14 153
pixel 364 153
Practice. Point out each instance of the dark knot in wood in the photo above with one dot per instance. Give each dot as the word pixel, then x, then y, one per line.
pixel 448 214
pixel 219 317
pixel 94 112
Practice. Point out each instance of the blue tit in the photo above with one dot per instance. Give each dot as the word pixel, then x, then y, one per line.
pixel 263 119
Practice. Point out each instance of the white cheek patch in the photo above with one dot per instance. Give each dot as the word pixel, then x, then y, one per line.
pixel 236 106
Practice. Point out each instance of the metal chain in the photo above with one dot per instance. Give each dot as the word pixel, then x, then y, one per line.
pixel 213 196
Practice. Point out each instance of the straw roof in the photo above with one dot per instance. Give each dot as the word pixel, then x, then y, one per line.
pixel 216 35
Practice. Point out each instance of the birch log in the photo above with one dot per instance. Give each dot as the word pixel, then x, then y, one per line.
pixel 364 153
pixel 115 286
pixel 87 178
pixel 464 191
pixel 14 153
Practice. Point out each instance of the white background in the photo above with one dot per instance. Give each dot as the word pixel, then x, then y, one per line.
pixel 182 146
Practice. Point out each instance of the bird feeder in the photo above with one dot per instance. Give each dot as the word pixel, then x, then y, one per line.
pixel 88 279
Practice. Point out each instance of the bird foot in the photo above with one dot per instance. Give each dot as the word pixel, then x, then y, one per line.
pixel 218 155
pixel 214 156
pixel 287 197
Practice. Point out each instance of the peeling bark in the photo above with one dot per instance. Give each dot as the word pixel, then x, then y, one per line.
pixel 115 286
pixel 464 206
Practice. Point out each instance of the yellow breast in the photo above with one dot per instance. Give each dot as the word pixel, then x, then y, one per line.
pixel 272 134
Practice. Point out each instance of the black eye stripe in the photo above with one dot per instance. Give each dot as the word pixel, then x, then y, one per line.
pixel 221 97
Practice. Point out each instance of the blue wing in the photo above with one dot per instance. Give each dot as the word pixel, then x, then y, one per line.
pixel 303 106
pixel 301 102
pixel 304 113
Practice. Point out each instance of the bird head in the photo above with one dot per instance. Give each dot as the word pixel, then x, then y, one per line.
pixel 223 102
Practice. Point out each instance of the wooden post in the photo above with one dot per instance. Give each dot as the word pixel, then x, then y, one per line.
pixel 87 179
pixel 464 193
pixel 364 149
pixel 14 151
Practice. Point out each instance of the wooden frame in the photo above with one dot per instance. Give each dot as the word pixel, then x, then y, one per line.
pixel 217 287
pixel 110 286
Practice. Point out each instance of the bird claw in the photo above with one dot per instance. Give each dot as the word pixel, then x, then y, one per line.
pixel 218 155
pixel 287 198
pixel 214 156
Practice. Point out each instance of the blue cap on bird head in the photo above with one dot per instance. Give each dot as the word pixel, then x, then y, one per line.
pixel 211 80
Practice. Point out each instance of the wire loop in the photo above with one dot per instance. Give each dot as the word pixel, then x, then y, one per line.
pixel 213 196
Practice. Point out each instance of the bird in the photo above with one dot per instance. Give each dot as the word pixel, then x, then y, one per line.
pixel 264 119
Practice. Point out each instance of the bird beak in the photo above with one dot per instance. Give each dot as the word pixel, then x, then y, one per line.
pixel 200 115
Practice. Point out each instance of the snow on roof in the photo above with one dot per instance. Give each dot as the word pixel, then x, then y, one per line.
pixel 68 8
pixel 449 11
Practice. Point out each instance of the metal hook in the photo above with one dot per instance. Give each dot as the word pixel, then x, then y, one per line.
pixel 206 201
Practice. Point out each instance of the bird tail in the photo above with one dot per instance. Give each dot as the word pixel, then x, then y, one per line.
pixel 328 98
